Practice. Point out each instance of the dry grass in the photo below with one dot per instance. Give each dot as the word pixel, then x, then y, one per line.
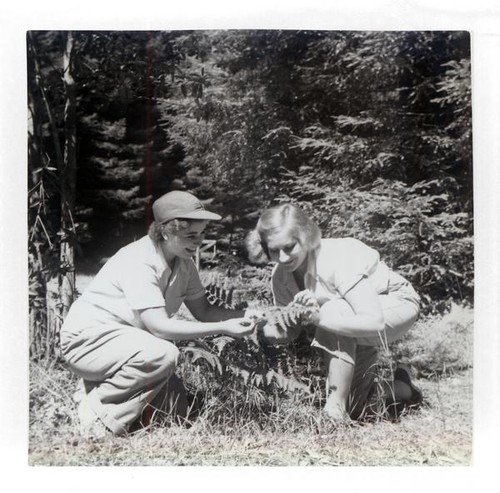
pixel 295 434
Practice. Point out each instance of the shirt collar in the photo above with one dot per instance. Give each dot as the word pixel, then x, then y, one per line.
pixel 179 264
pixel 311 274
pixel 163 262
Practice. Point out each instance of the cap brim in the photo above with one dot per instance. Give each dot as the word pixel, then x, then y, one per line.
pixel 202 215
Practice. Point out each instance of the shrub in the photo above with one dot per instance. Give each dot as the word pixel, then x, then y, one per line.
pixel 439 345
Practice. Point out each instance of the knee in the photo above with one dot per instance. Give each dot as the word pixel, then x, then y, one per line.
pixel 162 356
pixel 336 342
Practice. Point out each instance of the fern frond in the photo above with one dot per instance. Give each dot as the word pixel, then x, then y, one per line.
pixel 219 296
pixel 220 292
pixel 198 353
pixel 290 316
pixel 251 359
pixel 286 382
pixel 220 342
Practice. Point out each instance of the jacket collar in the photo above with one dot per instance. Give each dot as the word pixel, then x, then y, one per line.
pixel 311 275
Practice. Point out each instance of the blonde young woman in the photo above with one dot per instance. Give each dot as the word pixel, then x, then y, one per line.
pixel 361 303
pixel 118 336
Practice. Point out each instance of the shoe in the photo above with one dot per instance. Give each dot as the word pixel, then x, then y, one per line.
pixel 405 395
pixel 79 393
pixel 90 426
pixel 402 374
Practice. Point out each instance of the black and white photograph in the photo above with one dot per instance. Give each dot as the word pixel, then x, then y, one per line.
pixel 251 247
pixel 256 246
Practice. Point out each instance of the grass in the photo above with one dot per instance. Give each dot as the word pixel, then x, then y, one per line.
pixel 297 434
pixel 247 427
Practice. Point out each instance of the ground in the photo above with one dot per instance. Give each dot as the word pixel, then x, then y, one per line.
pixel 439 434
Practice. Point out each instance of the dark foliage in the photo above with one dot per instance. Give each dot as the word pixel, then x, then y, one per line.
pixel 370 132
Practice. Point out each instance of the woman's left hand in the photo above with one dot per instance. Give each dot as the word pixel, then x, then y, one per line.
pixel 306 298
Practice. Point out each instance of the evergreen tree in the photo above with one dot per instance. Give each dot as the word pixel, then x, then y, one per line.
pixel 370 132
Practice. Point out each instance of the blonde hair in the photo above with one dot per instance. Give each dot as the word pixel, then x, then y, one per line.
pixel 288 218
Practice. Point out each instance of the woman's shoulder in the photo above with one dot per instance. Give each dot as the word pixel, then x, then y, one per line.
pixel 340 244
pixel 137 253
pixel 145 244
pixel 338 252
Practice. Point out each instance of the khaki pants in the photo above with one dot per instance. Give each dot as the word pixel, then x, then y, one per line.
pixel 123 370
pixel 400 309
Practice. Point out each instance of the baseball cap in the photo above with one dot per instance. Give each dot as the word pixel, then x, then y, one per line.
pixel 180 205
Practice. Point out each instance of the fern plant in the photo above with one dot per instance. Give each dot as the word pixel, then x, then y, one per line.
pixel 252 360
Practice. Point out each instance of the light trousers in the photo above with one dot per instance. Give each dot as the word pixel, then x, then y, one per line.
pixel 123 368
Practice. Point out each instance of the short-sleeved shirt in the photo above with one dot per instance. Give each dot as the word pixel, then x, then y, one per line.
pixel 334 268
pixel 137 277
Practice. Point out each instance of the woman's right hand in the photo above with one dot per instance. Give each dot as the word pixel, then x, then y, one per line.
pixel 238 327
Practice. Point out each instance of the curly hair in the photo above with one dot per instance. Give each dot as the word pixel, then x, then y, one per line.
pixel 285 217
pixel 157 230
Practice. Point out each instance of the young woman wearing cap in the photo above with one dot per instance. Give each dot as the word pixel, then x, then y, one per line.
pixel 117 335
pixel 360 303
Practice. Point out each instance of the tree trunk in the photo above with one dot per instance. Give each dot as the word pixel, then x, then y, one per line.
pixel 67 175
pixel 52 289
pixel 42 343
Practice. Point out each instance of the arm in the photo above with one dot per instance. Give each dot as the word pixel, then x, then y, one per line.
pixel 203 311
pixel 159 324
pixel 364 320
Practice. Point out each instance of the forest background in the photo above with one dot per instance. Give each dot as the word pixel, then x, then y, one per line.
pixel 369 132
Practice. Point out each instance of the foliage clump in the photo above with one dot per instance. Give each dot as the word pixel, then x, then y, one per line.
pixel 369 132
pixel 440 345
pixel 251 360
